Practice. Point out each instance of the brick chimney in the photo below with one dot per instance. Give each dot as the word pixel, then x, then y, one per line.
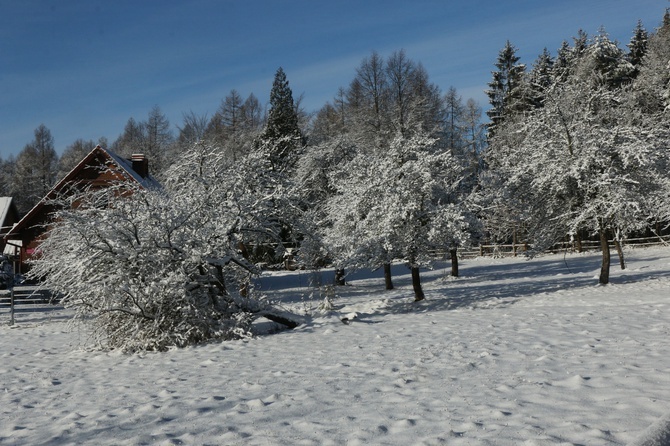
pixel 140 164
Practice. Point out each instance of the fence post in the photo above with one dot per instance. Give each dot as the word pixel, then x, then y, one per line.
pixel 11 306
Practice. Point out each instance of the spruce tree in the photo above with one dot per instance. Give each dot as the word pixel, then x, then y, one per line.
pixel 605 60
pixel 541 78
pixel 637 47
pixel 282 135
pixel 504 86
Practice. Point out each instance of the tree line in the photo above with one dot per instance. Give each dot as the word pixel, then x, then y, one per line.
pixel 578 145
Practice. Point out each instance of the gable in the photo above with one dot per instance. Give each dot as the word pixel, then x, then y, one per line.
pixel 98 169
pixel 8 215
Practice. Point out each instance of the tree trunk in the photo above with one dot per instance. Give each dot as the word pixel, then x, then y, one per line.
pixel 339 276
pixel 578 241
pixel 387 276
pixel 416 283
pixel 619 251
pixel 605 268
pixel 453 253
pixel 281 317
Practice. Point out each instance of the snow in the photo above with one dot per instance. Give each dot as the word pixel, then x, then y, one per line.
pixel 513 352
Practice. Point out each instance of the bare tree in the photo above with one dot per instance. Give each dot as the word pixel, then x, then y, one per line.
pixel 36 168
pixel 74 153
pixel 158 138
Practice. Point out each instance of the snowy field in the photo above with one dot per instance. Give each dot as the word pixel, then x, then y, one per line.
pixel 514 352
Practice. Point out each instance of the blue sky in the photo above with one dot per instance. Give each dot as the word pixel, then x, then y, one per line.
pixel 84 67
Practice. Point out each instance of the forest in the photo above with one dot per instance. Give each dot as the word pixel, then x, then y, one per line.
pixel 392 169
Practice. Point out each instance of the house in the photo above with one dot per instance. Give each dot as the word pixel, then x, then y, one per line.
pixel 100 168
pixel 9 216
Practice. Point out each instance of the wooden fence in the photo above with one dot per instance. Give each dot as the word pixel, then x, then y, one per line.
pixel 511 250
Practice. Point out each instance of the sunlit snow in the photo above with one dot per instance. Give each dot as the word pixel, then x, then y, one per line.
pixel 513 352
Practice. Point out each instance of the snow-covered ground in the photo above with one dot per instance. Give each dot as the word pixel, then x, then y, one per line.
pixel 513 352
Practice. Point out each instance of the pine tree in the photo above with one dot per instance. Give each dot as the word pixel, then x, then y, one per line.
pixel 568 56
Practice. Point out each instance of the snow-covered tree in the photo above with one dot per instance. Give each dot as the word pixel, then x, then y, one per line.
pixel 397 204
pixel 652 84
pixel 605 63
pixel 314 187
pixel 587 160
pixel 151 269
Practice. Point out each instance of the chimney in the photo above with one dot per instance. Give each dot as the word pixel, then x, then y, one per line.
pixel 140 164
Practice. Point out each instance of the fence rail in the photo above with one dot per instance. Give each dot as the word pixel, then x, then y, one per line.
pixel 25 299
pixel 511 250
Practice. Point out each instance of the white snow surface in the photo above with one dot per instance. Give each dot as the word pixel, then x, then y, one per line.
pixel 513 352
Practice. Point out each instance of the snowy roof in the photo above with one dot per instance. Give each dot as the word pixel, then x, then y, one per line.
pixel 147 182
pixel 5 206
pixel 126 166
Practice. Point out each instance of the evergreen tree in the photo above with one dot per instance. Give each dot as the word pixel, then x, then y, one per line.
pixel 605 62
pixel 637 47
pixel 281 137
pixel 541 78
pixel 580 43
pixel 568 56
pixel 653 78
pixel 561 66
pixel 505 87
